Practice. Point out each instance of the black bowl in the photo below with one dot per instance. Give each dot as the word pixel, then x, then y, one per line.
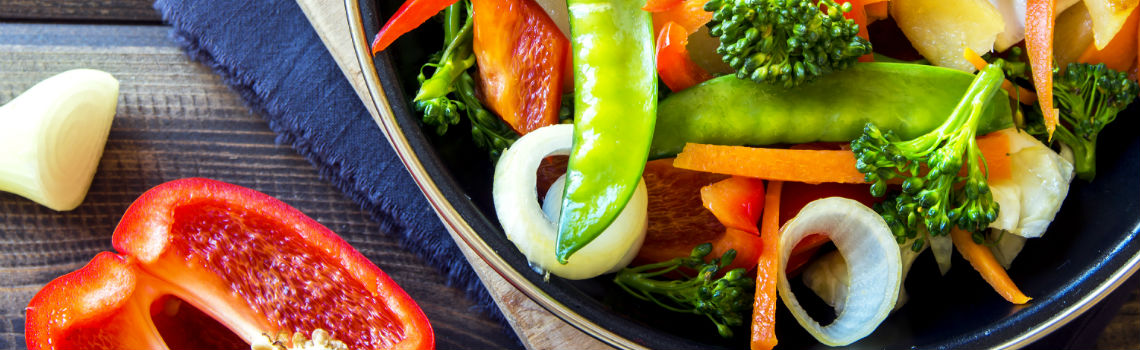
pixel 1087 252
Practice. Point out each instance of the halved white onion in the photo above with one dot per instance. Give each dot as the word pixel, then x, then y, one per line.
pixel 535 234
pixel 52 137
pixel 874 267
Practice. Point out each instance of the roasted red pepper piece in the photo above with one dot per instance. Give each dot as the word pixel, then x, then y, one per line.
pixel 251 262
pixel 411 14
pixel 674 66
pixel 522 57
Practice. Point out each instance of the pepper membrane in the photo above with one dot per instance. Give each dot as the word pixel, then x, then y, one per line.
pixel 251 262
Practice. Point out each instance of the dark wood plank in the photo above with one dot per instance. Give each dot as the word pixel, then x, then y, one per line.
pixel 134 11
pixel 176 119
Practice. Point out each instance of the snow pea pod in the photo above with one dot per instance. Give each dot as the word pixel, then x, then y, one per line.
pixel 615 104
pixel 908 99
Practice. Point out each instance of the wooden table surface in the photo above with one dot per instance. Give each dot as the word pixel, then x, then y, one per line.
pixel 176 119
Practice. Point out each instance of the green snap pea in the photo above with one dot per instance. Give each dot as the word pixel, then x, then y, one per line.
pixel 908 99
pixel 615 102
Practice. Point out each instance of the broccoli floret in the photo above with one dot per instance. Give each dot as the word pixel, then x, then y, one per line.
pixel 1088 97
pixel 726 301
pixel 939 197
pixel 785 42
pixel 450 78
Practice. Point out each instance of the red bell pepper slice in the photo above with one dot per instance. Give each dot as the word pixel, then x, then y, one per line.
pixel 690 14
pixel 249 261
pixel 522 60
pixel 736 202
pixel 674 65
pixel 1039 18
pixel 411 14
pixel 659 5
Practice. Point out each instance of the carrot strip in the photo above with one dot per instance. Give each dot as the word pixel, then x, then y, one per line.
pixel 811 166
pixel 767 268
pixel 1120 52
pixel 982 259
pixel 1039 43
pixel 1022 95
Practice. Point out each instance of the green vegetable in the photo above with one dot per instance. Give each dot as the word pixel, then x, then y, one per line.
pixel 615 104
pixel 785 42
pixel 1089 97
pixel 909 99
pixel 52 137
pixel 449 79
pixel 936 195
pixel 726 301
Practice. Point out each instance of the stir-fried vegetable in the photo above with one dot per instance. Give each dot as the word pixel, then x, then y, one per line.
pixel 872 258
pixel 724 300
pixel 1089 98
pixel 450 80
pixel 785 42
pixel 934 195
pixel 615 106
pixel 909 99
pixel 533 232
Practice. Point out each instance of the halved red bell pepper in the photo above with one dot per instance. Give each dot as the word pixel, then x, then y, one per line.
pixel 411 14
pixel 674 65
pixel 522 57
pixel 737 202
pixel 247 260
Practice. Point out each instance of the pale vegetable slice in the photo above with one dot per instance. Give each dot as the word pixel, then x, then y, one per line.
pixel 1013 14
pixel 534 234
pixel 1006 246
pixel 943 249
pixel 827 275
pixel 940 29
pixel 874 267
pixel 1072 34
pixel 1038 184
pixel 1108 16
pixel 52 137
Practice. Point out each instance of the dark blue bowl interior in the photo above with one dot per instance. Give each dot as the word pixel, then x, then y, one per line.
pixel 1090 240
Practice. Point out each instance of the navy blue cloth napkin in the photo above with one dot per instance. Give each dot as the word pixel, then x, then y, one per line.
pixel 267 51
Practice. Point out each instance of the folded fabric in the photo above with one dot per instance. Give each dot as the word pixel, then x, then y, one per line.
pixel 267 51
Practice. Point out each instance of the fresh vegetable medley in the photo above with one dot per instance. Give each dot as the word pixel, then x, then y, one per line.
pixel 702 154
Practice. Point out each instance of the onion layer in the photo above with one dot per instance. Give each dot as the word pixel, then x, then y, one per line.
pixel 874 267
pixel 534 233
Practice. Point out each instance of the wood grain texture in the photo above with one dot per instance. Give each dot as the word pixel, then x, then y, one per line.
pixel 176 119
pixel 134 11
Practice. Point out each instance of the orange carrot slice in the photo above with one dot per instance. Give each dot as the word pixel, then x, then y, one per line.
pixel 767 270
pixel 982 259
pixel 1039 43
pixel 811 166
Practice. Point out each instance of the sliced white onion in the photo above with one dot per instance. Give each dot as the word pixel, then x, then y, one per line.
pixel 535 234
pixel 943 248
pixel 874 267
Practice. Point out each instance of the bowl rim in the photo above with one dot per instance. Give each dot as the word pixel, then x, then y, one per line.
pixel 463 233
